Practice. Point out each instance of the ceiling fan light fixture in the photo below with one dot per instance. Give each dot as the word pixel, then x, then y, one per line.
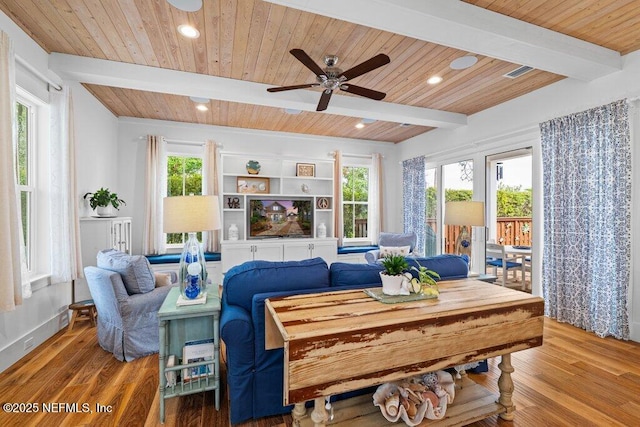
pixel 463 62
pixel 186 5
pixel 434 80
pixel 188 31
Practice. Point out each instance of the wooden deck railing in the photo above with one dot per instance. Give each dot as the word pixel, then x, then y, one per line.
pixel 510 231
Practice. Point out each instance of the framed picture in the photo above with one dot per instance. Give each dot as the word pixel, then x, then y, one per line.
pixel 252 185
pixel 305 169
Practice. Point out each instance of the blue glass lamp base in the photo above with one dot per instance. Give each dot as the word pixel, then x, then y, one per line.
pixel 193 269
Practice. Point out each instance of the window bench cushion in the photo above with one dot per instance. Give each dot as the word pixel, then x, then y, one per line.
pixel 345 250
pixel 175 258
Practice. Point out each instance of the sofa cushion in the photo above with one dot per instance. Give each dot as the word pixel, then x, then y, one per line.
pixel 347 274
pixel 448 266
pixel 242 281
pixel 135 270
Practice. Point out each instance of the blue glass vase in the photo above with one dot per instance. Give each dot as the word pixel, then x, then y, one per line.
pixel 193 269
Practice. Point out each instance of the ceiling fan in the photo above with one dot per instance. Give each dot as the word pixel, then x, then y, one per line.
pixel 332 77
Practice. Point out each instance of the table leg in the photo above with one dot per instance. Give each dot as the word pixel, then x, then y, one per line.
pixel 161 361
pixel 505 385
pixel 298 413
pixel 319 416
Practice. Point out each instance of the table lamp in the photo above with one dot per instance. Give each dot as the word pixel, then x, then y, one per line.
pixel 191 214
pixel 464 214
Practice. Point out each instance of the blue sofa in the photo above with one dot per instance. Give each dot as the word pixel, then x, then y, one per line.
pixel 255 375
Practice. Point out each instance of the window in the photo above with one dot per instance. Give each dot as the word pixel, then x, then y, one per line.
pixel 458 186
pixel 25 171
pixel 431 239
pixel 355 202
pixel 184 177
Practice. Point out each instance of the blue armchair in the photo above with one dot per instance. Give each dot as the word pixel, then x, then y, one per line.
pixel 393 240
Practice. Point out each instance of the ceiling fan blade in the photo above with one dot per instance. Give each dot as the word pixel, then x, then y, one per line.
pixel 363 91
pixel 324 100
pixel 282 88
pixel 302 56
pixel 368 65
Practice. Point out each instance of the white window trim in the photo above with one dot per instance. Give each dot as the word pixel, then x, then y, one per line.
pixel 40 256
pixel 360 162
pixel 180 150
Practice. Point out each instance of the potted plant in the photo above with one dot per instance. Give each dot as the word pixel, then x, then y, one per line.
pixel 392 277
pixel 104 201
pixel 425 283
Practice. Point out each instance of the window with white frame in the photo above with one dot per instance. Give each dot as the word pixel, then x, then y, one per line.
pixel 25 172
pixel 184 177
pixel 356 209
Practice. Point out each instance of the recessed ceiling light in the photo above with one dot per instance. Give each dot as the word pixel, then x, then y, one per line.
pixel 359 125
pixel 434 80
pixel 292 111
pixel 463 62
pixel 186 5
pixel 188 31
pixel 202 107
pixel 199 100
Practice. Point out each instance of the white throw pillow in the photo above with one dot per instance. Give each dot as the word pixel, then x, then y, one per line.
pixel 394 250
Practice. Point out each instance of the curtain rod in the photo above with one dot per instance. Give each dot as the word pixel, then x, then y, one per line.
pixel 363 156
pixel 37 73
pixel 182 141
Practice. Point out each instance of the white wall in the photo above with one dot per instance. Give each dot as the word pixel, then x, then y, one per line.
pixel 132 157
pixel 515 123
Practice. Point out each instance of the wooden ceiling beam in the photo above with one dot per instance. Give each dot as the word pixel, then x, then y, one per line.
pixel 131 76
pixel 473 29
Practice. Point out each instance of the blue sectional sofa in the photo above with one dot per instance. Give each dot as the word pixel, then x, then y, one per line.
pixel 255 375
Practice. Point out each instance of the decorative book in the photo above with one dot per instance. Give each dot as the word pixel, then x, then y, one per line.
pixel 202 299
pixel 197 351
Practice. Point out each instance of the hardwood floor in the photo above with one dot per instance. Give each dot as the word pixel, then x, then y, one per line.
pixel 575 378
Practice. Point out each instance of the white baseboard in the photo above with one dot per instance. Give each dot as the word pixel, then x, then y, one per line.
pixel 16 350
pixel 635 331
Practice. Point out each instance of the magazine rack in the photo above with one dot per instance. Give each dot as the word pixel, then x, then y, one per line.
pixel 198 327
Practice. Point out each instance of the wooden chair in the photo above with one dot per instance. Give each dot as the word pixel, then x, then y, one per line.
pixel 496 257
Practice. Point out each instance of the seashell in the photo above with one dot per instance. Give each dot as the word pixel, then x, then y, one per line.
pixel 392 404
pixel 417 387
pixel 429 395
pixel 412 410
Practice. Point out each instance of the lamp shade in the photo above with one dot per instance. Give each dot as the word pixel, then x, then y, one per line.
pixel 188 214
pixel 464 213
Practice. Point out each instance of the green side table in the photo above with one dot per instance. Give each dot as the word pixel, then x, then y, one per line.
pixel 182 324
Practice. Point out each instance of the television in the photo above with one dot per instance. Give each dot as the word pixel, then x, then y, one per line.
pixel 273 217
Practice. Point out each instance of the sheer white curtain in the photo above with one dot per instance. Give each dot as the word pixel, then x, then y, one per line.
pixel 337 195
pixel 210 171
pixel 375 194
pixel 154 241
pixel 66 257
pixel 10 229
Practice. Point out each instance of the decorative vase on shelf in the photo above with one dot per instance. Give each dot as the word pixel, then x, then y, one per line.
pixel 253 167
pixel 233 232
pixel 322 231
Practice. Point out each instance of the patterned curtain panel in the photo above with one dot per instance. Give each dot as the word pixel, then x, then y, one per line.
pixel 414 200
pixel 587 219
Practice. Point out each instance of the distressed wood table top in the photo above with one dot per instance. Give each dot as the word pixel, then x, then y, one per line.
pixel 345 340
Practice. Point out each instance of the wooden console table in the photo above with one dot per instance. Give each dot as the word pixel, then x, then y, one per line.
pixel 345 340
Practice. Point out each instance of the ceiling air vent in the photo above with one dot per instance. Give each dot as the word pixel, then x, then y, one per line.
pixel 518 72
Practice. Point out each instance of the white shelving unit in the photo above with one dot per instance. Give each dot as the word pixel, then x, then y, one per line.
pixel 278 178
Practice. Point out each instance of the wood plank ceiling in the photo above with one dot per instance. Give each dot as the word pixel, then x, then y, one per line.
pixel 250 40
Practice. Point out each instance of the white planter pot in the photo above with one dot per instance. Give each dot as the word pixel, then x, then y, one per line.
pixel 106 211
pixel 392 285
